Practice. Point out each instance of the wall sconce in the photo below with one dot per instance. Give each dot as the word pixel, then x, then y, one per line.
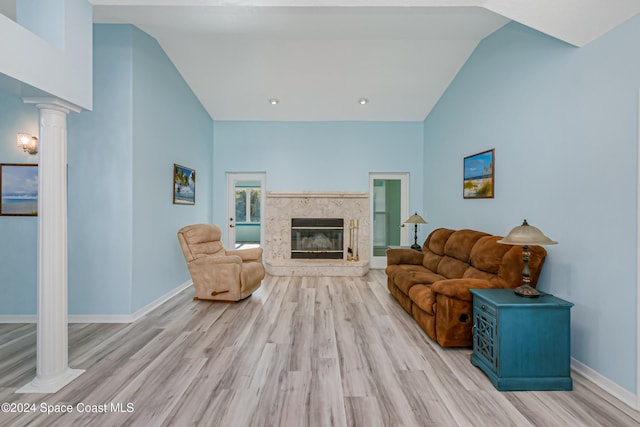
pixel 28 143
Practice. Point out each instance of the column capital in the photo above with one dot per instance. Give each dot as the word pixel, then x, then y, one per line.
pixel 53 104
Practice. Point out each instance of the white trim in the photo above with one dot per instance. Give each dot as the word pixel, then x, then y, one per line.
pixel 103 318
pixel 614 390
pixel 53 103
pixel 18 318
pixel 318 194
pixel 129 318
pixel 43 385
pixel 637 406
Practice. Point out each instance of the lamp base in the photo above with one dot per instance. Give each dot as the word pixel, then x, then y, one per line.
pixel 526 291
pixel 416 247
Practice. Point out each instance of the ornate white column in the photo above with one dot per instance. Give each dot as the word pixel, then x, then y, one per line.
pixel 52 369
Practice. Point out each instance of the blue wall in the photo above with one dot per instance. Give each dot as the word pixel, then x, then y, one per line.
pixel 100 175
pixel 18 252
pixel 564 124
pixel 169 126
pixel 123 250
pixel 316 156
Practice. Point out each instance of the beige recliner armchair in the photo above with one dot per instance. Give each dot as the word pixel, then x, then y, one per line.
pixel 218 274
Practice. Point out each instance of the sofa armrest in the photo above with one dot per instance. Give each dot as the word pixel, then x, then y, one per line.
pixel 252 254
pixel 459 288
pixel 404 256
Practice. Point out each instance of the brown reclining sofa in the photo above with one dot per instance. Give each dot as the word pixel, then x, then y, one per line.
pixel 433 285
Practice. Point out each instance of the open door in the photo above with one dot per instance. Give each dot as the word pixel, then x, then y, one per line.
pixel 389 195
pixel 245 201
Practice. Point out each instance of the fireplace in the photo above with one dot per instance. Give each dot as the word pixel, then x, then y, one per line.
pixel 317 238
pixel 281 206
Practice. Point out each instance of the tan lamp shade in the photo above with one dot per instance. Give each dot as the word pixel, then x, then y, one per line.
pixel 526 235
pixel 415 219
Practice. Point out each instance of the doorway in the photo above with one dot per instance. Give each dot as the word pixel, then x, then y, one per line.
pixel 245 203
pixel 389 195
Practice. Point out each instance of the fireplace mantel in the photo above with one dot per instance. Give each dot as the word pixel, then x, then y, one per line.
pixel 282 206
pixel 317 194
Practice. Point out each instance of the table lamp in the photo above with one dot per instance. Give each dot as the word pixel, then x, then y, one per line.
pixel 415 219
pixel 526 235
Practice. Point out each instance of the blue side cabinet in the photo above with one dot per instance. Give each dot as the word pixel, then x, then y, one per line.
pixel 522 343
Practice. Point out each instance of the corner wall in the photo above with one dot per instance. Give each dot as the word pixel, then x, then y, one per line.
pixel 99 156
pixel 169 126
pixel 123 249
pixel 564 123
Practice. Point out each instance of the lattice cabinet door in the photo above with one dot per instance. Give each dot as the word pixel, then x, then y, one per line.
pixel 485 336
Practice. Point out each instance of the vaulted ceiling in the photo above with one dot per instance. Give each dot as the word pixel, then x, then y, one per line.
pixel 318 58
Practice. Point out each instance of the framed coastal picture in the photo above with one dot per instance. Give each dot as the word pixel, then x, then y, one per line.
pixel 18 189
pixel 478 179
pixel 184 185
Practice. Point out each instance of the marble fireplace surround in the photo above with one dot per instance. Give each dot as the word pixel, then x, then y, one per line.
pixel 281 206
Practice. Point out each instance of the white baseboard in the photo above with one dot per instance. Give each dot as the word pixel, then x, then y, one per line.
pixel 18 318
pixel 620 393
pixel 102 318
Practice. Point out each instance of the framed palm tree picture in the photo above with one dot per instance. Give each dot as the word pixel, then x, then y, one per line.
pixel 184 185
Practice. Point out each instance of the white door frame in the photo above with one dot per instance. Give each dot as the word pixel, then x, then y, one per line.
pixel 232 179
pixel 381 262
pixel 637 402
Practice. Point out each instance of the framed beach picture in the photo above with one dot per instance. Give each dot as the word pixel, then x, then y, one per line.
pixel 478 171
pixel 184 185
pixel 18 189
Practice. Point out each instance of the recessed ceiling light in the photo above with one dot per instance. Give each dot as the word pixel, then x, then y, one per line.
pixel 273 101
pixel 363 101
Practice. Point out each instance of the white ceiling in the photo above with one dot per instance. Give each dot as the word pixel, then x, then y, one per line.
pixel 319 57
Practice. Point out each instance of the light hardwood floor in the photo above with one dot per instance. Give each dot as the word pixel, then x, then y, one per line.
pixel 302 351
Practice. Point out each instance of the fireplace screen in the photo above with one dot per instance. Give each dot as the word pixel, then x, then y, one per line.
pixel 317 238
